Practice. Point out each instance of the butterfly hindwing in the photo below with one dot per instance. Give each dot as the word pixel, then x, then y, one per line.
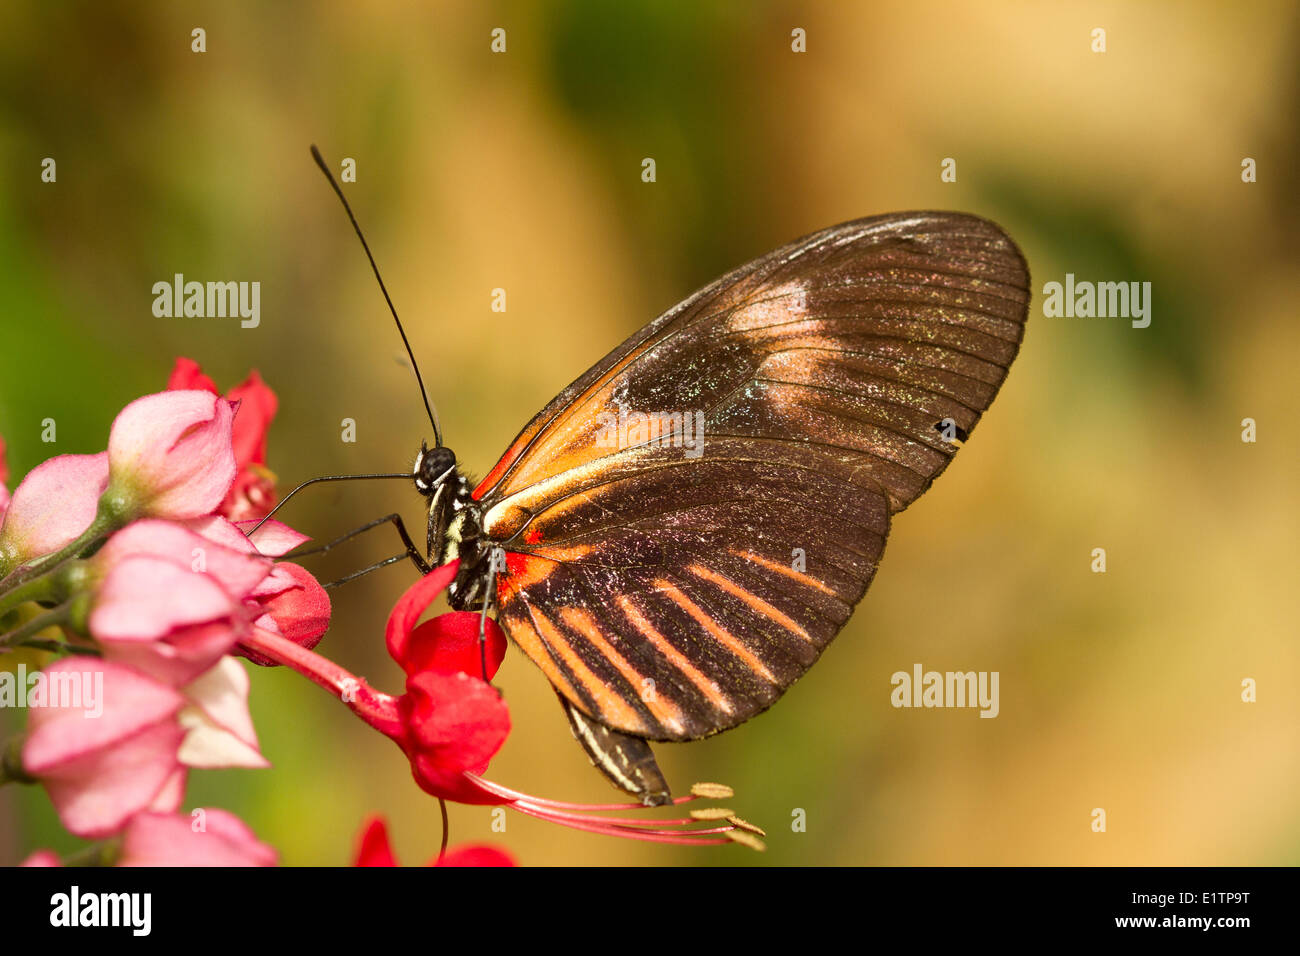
pixel 673 584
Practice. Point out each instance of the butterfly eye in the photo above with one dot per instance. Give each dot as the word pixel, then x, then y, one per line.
pixel 433 466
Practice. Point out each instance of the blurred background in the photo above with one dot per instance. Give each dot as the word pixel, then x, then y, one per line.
pixel 522 171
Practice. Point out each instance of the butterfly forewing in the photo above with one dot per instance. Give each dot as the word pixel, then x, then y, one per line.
pixel 672 586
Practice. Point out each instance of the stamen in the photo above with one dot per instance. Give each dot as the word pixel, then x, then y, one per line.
pixel 713 813
pixel 679 830
pixel 745 838
pixel 712 791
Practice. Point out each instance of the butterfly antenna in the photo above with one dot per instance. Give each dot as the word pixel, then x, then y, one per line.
pixel 428 407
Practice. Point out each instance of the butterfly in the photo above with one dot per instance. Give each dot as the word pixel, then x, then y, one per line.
pixel 671 586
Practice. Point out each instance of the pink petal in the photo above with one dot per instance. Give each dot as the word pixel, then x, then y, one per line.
pixel 129 703
pixel 237 570
pixel 273 537
pixel 145 598
pixel 4 481
pixel 220 728
pixel 95 795
pixel 276 582
pixel 42 858
pixel 221 839
pixel 173 451
pixel 182 656
pixel 222 531
pixel 172 793
pixel 54 504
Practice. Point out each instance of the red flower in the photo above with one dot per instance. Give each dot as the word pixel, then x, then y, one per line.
pixel 450 723
pixel 252 494
pixel 373 849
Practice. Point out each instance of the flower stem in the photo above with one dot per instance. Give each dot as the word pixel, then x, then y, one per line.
pixel 374 707
pixel 103 853
pixel 41 566
pixel 40 622
pixel 11 762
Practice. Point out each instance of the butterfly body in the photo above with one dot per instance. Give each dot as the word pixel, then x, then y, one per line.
pixel 687 526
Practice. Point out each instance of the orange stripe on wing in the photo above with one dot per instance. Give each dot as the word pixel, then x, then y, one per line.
pixel 523 633
pixel 572 553
pixel 709 688
pixel 666 712
pixel 779 568
pixel 613 710
pixel 560 446
pixel 715 630
pixel 750 598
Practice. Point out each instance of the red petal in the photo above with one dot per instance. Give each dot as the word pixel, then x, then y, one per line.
pixel 257 407
pixel 373 848
pixel 186 375
pixel 448 644
pixel 454 724
pixel 476 854
pixel 412 604
pixel 303 612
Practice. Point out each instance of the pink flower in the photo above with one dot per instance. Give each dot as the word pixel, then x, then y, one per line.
pixel 373 849
pixel 174 598
pixel 289 602
pixel 204 838
pixel 171 601
pixel 218 727
pixel 299 612
pixel 124 744
pixel 170 456
pixel 253 493
pixel 112 755
pixel 51 507
pixel 42 858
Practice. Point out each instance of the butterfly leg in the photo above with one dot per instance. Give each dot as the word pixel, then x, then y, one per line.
pixel 628 762
pixel 411 551
pixel 482 618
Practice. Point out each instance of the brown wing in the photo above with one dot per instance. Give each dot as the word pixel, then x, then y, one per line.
pixel 671 587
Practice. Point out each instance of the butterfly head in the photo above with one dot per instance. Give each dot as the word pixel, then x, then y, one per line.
pixel 433 466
